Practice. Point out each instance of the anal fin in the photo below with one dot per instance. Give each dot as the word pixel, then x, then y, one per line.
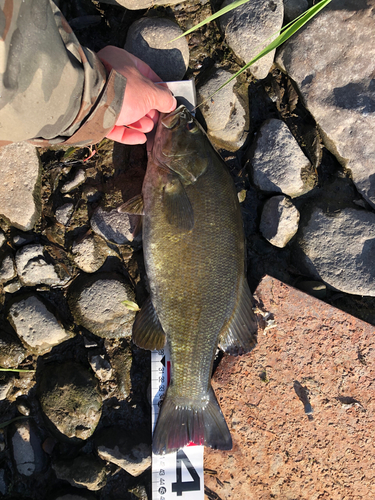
pixel 147 330
pixel 239 335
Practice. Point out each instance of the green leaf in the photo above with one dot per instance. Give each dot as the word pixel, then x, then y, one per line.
pixel 132 306
pixel 285 33
pixel 8 422
pixel 18 370
pixel 69 152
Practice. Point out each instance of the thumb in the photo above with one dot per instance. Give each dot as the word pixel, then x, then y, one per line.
pixel 164 100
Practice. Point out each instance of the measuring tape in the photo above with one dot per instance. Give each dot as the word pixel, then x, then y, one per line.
pixel 178 474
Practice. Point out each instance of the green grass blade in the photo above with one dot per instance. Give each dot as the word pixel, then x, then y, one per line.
pixel 18 370
pixel 217 14
pixel 284 35
pixel 8 422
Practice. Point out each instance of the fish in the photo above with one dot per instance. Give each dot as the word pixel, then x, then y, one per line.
pixel 194 253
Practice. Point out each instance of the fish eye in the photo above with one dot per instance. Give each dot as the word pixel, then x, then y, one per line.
pixel 191 126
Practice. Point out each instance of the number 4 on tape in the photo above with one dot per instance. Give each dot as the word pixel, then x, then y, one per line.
pixel 179 474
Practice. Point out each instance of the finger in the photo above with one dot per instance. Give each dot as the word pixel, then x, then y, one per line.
pixel 154 115
pixel 144 124
pixel 164 100
pixel 126 136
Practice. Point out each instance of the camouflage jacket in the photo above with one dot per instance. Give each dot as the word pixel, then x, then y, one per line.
pixel 52 90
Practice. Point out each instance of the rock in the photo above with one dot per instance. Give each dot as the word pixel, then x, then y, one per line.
pixel 279 221
pixel 122 449
pixel 36 325
pixel 20 195
pixel 12 287
pixel 90 253
pixel 2 238
pixel 27 450
pixel 315 358
pixel 32 267
pixel 278 163
pixel 115 227
pixel 3 483
pixel 334 71
pixel 6 385
pixel 150 40
pixel 339 249
pixel 294 8
pixel 141 4
pixel 121 361
pixel 69 396
pixel 84 472
pixel 72 494
pixel 96 304
pixel 7 269
pixel 79 179
pixel 100 366
pixel 64 213
pixel 225 115
pixel 12 352
pixel 247 29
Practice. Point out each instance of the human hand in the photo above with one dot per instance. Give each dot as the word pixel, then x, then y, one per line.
pixel 143 99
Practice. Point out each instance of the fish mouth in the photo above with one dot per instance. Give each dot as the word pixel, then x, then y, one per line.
pixel 172 120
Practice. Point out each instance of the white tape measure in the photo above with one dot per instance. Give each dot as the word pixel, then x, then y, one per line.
pixel 179 474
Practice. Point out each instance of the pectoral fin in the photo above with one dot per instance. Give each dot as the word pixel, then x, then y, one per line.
pixel 133 206
pixel 239 335
pixel 178 209
pixel 147 330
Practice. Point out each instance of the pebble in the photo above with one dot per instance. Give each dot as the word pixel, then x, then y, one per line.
pixel 64 213
pixel 100 366
pixel 20 196
pixel 85 471
pixel 114 226
pixel 334 72
pixel 247 29
pixel 339 248
pixel 278 163
pixel 32 267
pixel 70 398
pixel 7 269
pixel 79 179
pixel 279 221
pixel 121 449
pixel 224 114
pixel 36 325
pixel 141 4
pixel 27 450
pixel 90 253
pixel 96 303
pixel 2 238
pixel 6 385
pixel 150 40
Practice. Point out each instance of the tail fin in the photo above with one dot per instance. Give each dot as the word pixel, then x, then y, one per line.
pixel 182 421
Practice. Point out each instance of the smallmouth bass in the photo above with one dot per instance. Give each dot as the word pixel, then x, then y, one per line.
pixel 194 251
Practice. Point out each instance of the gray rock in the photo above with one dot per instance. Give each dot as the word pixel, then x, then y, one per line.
pixel 122 449
pixel 79 179
pixel 121 362
pixel 225 114
pixel 141 4
pixel 114 226
pixel 150 40
pixel 7 269
pixel 334 70
pixel 20 194
pixel 339 249
pixel 12 352
pixel 96 304
pixel 83 472
pixel 247 29
pixel 32 267
pixel 2 238
pixel 27 450
pixel 100 366
pixel 36 325
pixel 279 165
pixel 69 396
pixel 6 385
pixel 90 253
pixel 294 8
pixel 12 287
pixel 64 213
pixel 22 239
pixel 279 221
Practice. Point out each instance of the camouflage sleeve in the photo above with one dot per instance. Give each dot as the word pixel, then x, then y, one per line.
pixel 52 90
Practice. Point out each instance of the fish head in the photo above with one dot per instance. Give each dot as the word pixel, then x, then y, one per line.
pixel 181 145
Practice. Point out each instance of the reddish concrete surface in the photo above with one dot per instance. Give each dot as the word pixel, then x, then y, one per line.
pixel 317 358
